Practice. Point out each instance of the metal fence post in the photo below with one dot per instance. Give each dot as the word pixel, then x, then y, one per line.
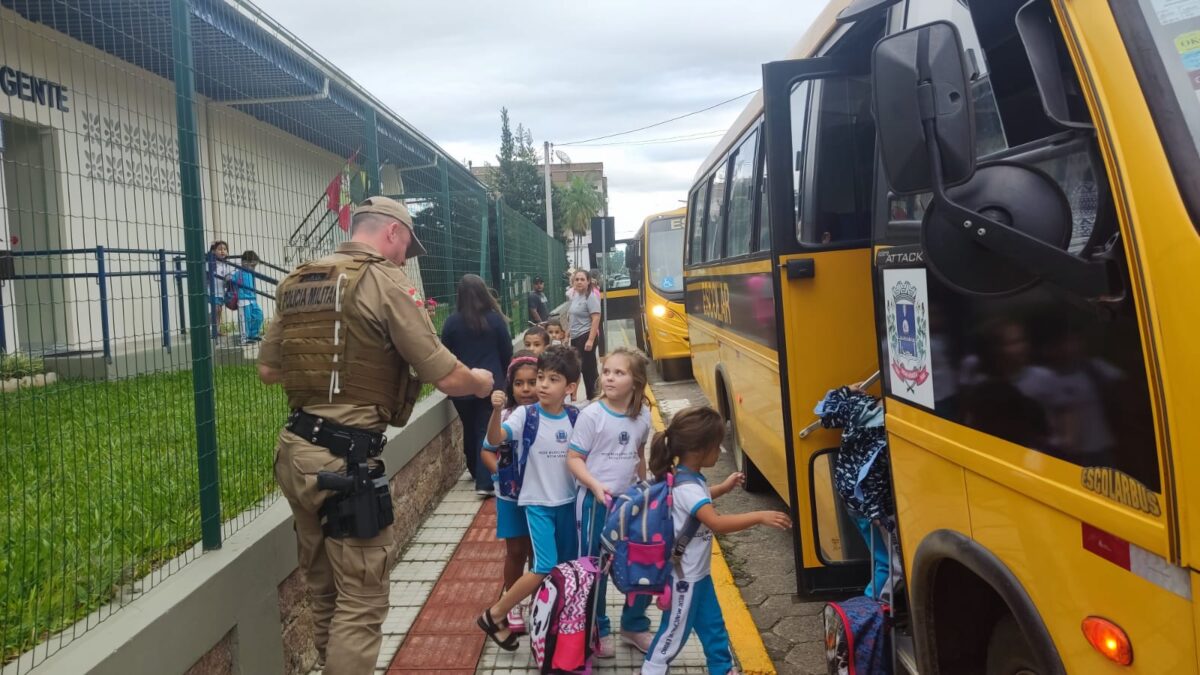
pixel 165 301
pixel 483 235
pixel 101 279
pixel 371 132
pixel 193 230
pixel 179 295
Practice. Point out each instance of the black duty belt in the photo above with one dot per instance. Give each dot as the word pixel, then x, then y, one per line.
pixel 335 438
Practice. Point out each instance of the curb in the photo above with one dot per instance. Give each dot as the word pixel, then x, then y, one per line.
pixel 743 634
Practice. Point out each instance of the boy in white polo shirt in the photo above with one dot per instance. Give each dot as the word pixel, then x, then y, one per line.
pixel 548 489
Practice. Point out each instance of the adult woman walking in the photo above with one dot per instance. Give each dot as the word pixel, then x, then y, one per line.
pixel 477 333
pixel 583 314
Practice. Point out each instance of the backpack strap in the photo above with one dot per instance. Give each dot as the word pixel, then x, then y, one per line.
pixel 572 413
pixel 528 433
pixel 690 527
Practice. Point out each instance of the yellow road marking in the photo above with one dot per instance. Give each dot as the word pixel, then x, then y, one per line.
pixel 743 633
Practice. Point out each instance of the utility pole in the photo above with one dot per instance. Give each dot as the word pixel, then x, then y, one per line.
pixel 549 193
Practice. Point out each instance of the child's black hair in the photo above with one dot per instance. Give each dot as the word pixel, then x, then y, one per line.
pixel 520 360
pixel 560 359
pixel 694 429
pixel 539 332
pixel 250 257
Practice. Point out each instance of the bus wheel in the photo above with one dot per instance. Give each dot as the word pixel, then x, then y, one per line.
pixel 755 481
pixel 1008 653
pixel 673 370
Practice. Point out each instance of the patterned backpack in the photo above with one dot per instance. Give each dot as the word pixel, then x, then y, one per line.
pixel 639 535
pixel 858 637
pixel 510 470
pixel 562 629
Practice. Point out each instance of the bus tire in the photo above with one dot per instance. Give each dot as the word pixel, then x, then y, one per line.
pixel 755 482
pixel 1008 652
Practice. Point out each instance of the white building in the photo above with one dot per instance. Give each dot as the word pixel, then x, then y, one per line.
pixel 91 159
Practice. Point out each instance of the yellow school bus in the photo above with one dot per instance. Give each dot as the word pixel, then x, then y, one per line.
pixel 996 205
pixel 658 245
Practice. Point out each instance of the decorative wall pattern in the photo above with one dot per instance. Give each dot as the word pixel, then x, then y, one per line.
pixel 127 154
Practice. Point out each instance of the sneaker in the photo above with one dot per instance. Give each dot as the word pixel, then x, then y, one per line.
pixel 639 641
pixel 516 622
pixel 605 649
pixel 483 493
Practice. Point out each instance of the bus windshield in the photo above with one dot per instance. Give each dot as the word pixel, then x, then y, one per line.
pixel 1174 26
pixel 665 256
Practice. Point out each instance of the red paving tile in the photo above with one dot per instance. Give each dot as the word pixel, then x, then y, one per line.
pixel 486 522
pixel 448 620
pixel 473 593
pixel 479 551
pixel 464 570
pixel 401 671
pixel 476 534
pixel 439 652
pixel 488 507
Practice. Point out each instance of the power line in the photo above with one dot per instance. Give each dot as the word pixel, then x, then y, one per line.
pixel 659 124
pixel 657 141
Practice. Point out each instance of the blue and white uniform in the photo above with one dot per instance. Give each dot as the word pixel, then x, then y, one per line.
pixel 694 603
pixel 611 444
pixel 548 490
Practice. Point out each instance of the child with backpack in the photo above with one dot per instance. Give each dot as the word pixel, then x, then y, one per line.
pixel 693 442
pixel 242 284
pixel 547 488
pixel 510 517
pixel 606 458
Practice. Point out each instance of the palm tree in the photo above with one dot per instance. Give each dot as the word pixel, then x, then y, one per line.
pixel 580 203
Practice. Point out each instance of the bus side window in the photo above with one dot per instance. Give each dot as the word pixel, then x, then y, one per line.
pixel 836 203
pixel 763 242
pixel 741 198
pixel 696 224
pixel 716 213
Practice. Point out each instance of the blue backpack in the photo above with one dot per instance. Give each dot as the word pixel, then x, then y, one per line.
pixel 639 537
pixel 510 470
pixel 858 637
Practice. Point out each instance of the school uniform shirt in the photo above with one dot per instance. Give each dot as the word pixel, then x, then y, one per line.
pixel 547 482
pixel 686 500
pixel 610 441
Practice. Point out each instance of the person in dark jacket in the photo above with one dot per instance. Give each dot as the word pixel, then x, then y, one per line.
pixel 477 333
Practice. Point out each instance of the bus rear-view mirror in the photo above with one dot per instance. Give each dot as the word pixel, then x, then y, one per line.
pixel 922 93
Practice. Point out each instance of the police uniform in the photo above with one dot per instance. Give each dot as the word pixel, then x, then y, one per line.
pixel 353 342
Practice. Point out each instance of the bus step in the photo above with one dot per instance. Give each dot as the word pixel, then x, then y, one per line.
pixel 904 655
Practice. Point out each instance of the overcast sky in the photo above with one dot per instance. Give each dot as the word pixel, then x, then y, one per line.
pixel 566 70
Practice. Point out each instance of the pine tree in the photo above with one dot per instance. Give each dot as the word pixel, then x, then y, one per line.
pixel 516 176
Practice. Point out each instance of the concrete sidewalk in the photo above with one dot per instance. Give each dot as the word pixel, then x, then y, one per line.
pixel 444 579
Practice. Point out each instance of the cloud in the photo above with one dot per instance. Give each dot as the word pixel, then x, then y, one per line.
pixel 567 71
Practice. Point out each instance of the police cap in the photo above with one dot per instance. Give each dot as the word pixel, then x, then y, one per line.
pixel 397 211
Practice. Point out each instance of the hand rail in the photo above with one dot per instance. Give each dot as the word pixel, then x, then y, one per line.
pixel 103 260
pixel 865 384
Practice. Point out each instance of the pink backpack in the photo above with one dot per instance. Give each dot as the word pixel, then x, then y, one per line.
pixel 562 630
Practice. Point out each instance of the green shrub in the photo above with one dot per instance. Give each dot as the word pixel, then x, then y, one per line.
pixel 20 365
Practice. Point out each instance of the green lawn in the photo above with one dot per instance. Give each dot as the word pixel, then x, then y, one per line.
pixel 98 486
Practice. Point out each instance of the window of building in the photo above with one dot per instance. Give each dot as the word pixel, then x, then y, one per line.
pixel 741 198
pixel 715 216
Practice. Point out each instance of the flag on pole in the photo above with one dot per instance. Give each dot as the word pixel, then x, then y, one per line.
pixel 337 193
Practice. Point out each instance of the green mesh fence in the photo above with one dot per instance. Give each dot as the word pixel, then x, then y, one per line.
pixel 132 423
pixel 527 252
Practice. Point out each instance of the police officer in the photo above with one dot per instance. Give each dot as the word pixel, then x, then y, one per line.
pixel 351 343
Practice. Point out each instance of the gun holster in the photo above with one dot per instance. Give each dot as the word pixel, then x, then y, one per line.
pixel 361 503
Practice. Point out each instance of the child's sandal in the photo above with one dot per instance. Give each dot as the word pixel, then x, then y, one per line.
pixel 489 626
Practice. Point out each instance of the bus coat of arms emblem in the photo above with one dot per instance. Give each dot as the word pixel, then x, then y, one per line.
pixel 908 335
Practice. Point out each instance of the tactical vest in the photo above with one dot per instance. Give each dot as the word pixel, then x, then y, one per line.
pixel 330 354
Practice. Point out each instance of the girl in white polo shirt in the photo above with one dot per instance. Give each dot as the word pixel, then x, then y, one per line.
pixel 606 457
